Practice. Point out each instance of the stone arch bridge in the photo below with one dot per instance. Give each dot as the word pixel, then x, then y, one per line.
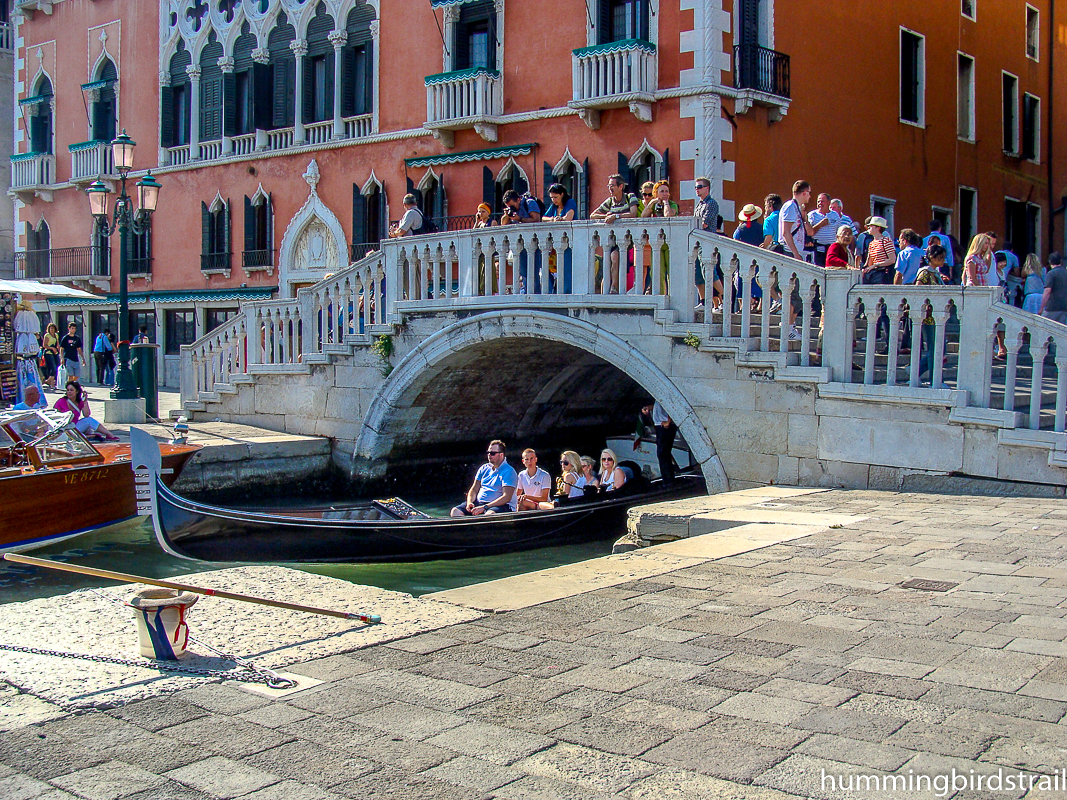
pixel 447 340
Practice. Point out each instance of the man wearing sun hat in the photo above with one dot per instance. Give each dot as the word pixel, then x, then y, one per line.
pixel 749 232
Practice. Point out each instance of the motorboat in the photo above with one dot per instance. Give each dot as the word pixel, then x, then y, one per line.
pixel 389 529
pixel 56 484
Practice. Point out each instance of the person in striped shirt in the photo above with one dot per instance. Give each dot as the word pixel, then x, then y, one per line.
pixel 620 204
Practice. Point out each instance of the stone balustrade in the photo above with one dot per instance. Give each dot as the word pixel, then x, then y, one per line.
pixel 463 96
pixel 90 161
pixel 32 170
pixel 614 74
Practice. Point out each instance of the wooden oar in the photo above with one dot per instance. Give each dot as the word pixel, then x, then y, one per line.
pixel 372 619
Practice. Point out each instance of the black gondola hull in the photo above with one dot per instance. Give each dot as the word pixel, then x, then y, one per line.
pixel 211 533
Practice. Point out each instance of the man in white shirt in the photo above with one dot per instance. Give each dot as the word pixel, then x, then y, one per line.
pixel 534 483
pixel 411 221
pixel 792 226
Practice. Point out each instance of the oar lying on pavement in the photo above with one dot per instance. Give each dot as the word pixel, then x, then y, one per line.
pixel 372 619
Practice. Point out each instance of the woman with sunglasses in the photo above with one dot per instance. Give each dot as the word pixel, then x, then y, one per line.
pixel 612 477
pixel 659 203
pixel 571 481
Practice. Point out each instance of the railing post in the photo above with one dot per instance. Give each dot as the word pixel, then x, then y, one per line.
pixel 310 322
pixel 837 317
pixel 975 360
pixel 186 374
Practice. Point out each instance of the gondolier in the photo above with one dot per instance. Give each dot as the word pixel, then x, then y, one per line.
pixel 493 487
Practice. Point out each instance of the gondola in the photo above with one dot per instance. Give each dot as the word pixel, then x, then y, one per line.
pixel 382 530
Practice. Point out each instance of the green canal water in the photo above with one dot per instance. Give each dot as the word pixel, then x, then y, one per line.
pixel 131 547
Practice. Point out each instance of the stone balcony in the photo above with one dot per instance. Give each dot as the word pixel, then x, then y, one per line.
pixel 469 98
pixel 32 174
pixel 91 161
pixel 614 75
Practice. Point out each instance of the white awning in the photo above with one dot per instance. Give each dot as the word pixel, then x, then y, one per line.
pixel 45 289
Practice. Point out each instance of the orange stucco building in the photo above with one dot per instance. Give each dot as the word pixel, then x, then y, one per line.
pixel 907 110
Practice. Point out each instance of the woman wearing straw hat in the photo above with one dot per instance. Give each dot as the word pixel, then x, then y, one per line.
pixel 749 232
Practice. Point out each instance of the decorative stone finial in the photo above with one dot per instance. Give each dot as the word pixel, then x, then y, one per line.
pixel 312 175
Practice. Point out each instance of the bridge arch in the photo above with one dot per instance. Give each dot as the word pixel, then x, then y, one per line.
pixel 392 407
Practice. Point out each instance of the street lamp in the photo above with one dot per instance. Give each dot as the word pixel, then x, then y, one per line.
pixel 125 219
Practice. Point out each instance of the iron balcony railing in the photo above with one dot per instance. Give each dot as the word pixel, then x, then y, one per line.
pixel 139 266
pixel 257 258
pixel 214 261
pixel 64 262
pixel 361 249
pixel 761 69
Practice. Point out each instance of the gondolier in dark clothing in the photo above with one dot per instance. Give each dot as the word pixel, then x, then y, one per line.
pixel 493 487
pixel 666 430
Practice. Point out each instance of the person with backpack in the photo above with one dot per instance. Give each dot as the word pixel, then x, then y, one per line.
pixel 102 349
pixel 412 223
pixel 521 209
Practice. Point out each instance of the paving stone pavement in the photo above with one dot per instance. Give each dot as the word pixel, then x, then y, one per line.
pixel 779 673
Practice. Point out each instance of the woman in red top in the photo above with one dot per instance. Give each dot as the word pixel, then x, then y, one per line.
pixel 842 254
pixel 75 401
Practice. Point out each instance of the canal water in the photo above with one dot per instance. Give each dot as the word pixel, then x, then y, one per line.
pixel 131 547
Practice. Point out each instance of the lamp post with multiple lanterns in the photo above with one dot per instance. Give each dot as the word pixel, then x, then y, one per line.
pixel 125 219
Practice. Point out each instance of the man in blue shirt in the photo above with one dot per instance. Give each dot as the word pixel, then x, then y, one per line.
pixel 493 488
pixel 910 258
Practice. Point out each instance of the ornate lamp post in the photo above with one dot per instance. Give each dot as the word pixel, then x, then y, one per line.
pixel 125 219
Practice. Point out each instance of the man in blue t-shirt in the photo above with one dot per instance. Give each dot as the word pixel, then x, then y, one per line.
pixel 494 486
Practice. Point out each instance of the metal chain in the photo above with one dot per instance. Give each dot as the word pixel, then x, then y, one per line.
pixel 267 676
pixel 255 675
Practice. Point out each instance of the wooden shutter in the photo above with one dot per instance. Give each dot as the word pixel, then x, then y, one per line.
pixel 359 216
pixel 439 201
pixel 365 77
pixel 627 174
pixel 349 85
pixel 583 191
pixel 662 169
pixel 283 95
pixel 262 102
pixel 229 104
pixel 307 91
pixel 488 188
pixel 331 76
pixel 461 45
pixel 250 225
pixel 226 232
pixel 550 178
pixel 166 122
pixel 603 33
pixel 383 215
pixel 207 243
pixel 748 27
pixel 270 224
pixel 211 109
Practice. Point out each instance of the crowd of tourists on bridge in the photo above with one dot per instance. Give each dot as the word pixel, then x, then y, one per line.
pixel 825 236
